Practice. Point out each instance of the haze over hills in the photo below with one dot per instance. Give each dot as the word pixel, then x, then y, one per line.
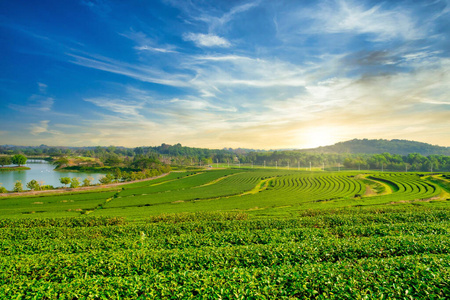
pixel 366 146
pixel 355 146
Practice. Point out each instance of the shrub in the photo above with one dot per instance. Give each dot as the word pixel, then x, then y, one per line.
pixel 34 185
pixel 75 182
pixel 18 186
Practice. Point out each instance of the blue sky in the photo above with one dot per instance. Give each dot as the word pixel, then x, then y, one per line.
pixel 253 74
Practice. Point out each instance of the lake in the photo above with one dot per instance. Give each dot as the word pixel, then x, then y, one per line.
pixel 42 171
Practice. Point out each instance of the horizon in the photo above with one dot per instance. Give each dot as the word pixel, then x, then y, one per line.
pixel 247 74
pixel 223 148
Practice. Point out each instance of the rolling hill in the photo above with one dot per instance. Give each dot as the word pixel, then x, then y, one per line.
pixel 395 146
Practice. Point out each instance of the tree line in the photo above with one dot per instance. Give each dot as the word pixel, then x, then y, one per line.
pixel 17 159
pixel 140 158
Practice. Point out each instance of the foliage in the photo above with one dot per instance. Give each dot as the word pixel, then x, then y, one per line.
pixel 87 181
pixel 344 254
pixel 395 146
pixel 3 190
pixel 46 187
pixel 64 180
pixel 108 178
pixel 219 234
pixel 74 182
pixel 395 155
pixel 61 162
pixel 18 186
pixel 5 160
pixel 19 159
pixel 33 185
pixel 10 169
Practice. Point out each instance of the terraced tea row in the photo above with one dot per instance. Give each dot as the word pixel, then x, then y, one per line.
pixel 407 187
pixel 257 191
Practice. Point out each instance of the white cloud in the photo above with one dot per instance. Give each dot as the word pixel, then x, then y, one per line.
pixel 222 57
pixel 36 105
pixel 41 127
pixel 145 43
pixel 216 23
pixel 199 104
pixel 140 72
pixel 345 16
pixel 42 87
pixel 154 49
pixel 119 106
pixel 46 104
pixel 206 40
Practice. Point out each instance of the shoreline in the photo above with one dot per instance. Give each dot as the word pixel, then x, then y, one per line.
pixel 9 169
pixel 81 188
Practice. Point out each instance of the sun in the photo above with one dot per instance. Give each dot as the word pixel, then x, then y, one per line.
pixel 318 136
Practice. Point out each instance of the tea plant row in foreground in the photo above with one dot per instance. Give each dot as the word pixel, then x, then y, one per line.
pixel 401 252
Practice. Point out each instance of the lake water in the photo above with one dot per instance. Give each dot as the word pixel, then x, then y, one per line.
pixel 42 171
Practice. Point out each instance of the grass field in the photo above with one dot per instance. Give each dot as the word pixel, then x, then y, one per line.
pixel 233 234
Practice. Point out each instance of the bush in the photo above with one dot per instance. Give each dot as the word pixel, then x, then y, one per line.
pixel 87 181
pixel 75 182
pixel 47 187
pixel 64 180
pixel 18 186
pixel 34 185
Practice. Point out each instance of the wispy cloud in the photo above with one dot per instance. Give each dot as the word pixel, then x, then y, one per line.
pixel 265 74
pixel 142 73
pixel 199 104
pixel 216 23
pixel 154 49
pixel 41 127
pixel 42 87
pixel 129 108
pixel 206 40
pixel 36 103
pixel 347 16
pixel 144 43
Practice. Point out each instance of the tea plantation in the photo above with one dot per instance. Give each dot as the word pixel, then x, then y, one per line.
pixel 233 234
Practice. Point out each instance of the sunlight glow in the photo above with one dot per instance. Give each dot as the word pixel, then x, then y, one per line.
pixel 318 136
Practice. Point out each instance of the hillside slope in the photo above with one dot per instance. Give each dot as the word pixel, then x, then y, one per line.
pixel 367 146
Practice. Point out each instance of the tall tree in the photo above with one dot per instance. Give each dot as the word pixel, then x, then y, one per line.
pixel 5 160
pixel 19 159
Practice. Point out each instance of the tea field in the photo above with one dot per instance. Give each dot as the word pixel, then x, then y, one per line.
pixel 233 234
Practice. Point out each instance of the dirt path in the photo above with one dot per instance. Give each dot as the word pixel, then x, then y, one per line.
pixel 83 188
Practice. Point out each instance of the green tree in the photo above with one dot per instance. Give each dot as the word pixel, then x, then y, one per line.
pixel 18 186
pixel 107 179
pixel 5 160
pixel 2 189
pixel 117 174
pixel 64 180
pixel 19 159
pixel 61 162
pixel 75 182
pixel 87 181
pixel 34 185
pixel 112 159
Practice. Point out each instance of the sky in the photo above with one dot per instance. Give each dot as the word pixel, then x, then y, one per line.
pixel 257 74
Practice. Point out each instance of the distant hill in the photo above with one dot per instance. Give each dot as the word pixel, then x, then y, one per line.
pixel 366 146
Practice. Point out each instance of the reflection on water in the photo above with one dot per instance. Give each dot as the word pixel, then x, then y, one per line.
pixel 42 172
